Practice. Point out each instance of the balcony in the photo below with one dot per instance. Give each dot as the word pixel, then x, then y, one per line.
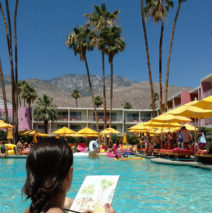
pixel 77 118
pixel 62 118
pixel 101 118
pixel 145 119
pixel 208 121
pixel 132 119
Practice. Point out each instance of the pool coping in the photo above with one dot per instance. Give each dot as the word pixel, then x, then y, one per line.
pixel 181 163
pixel 76 154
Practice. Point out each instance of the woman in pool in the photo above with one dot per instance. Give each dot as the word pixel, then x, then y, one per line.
pixel 49 168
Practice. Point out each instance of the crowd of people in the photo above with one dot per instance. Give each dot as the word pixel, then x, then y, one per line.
pixel 182 139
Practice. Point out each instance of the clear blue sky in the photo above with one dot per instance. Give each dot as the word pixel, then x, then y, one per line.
pixel 44 25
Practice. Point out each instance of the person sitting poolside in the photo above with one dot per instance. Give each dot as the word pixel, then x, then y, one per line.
pixel 202 140
pixel 49 168
pixel 20 147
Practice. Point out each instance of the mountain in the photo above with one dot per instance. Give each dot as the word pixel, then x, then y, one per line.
pixel 7 80
pixel 70 82
pixel 138 94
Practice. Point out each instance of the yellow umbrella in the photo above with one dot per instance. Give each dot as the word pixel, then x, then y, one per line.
pixel 9 134
pixel 161 124
pixel 205 103
pixel 21 132
pixel 165 130
pixel 110 131
pixel 5 125
pixel 192 103
pixel 125 138
pixel 73 135
pixel 190 128
pixel 35 132
pixel 87 130
pixel 192 112
pixel 169 118
pixel 63 131
pixel 140 126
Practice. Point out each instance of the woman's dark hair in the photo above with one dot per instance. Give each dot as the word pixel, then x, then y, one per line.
pixel 47 166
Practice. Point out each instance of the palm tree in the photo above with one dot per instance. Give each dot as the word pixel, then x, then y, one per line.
pixel 158 9
pixel 148 59
pixel 99 20
pixel 14 75
pixel 76 94
pixel 45 111
pixel 115 44
pixel 170 50
pixel 127 105
pixel 4 93
pixel 82 40
pixel 29 94
pixel 21 87
pixel 98 101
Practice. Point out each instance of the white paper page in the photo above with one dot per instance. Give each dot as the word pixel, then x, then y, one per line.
pixel 95 192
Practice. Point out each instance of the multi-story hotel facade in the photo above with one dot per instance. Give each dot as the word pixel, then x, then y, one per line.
pixel 78 118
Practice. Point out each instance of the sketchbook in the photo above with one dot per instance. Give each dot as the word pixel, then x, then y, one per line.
pixel 94 193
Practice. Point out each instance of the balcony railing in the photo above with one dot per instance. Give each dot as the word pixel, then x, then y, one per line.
pixel 208 121
pixel 62 117
pixel 78 118
pixel 132 119
pixel 145 119
pixel 101 118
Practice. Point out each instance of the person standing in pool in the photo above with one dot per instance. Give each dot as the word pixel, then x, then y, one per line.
pixel 49 168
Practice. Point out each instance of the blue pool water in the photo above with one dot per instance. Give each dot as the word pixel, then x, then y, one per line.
pixel 143 186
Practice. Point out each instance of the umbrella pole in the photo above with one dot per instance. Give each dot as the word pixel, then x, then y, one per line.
pixel 195 137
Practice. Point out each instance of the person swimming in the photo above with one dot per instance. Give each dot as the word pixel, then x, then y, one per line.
pixel 49 168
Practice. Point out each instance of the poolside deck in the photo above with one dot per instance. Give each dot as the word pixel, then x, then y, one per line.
pixel 144 156
pixel 181 163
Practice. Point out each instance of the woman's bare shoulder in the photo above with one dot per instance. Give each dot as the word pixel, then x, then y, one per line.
pixel 52 210
pixel 68 202
pixel 55 210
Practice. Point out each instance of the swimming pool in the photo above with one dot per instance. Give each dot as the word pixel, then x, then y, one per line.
pixel 143 186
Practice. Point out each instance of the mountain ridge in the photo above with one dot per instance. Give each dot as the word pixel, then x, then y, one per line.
pixel 125 90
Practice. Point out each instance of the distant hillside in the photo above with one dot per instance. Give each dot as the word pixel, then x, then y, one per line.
pixel 138 94
pixel 70 82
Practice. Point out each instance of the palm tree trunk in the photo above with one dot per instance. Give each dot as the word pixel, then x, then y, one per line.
pixel 16 74
pixel 9 46
pixel 148 59
pixel 160 64
pixel 9 32
pixel 76 103
pixel 169 56
pixel 45 126
pixel 104 90
pixel 92 95
pixel 111 92
pixel 4 93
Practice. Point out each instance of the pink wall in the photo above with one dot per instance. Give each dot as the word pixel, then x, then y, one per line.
pixel 24 118
pixel 185 97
